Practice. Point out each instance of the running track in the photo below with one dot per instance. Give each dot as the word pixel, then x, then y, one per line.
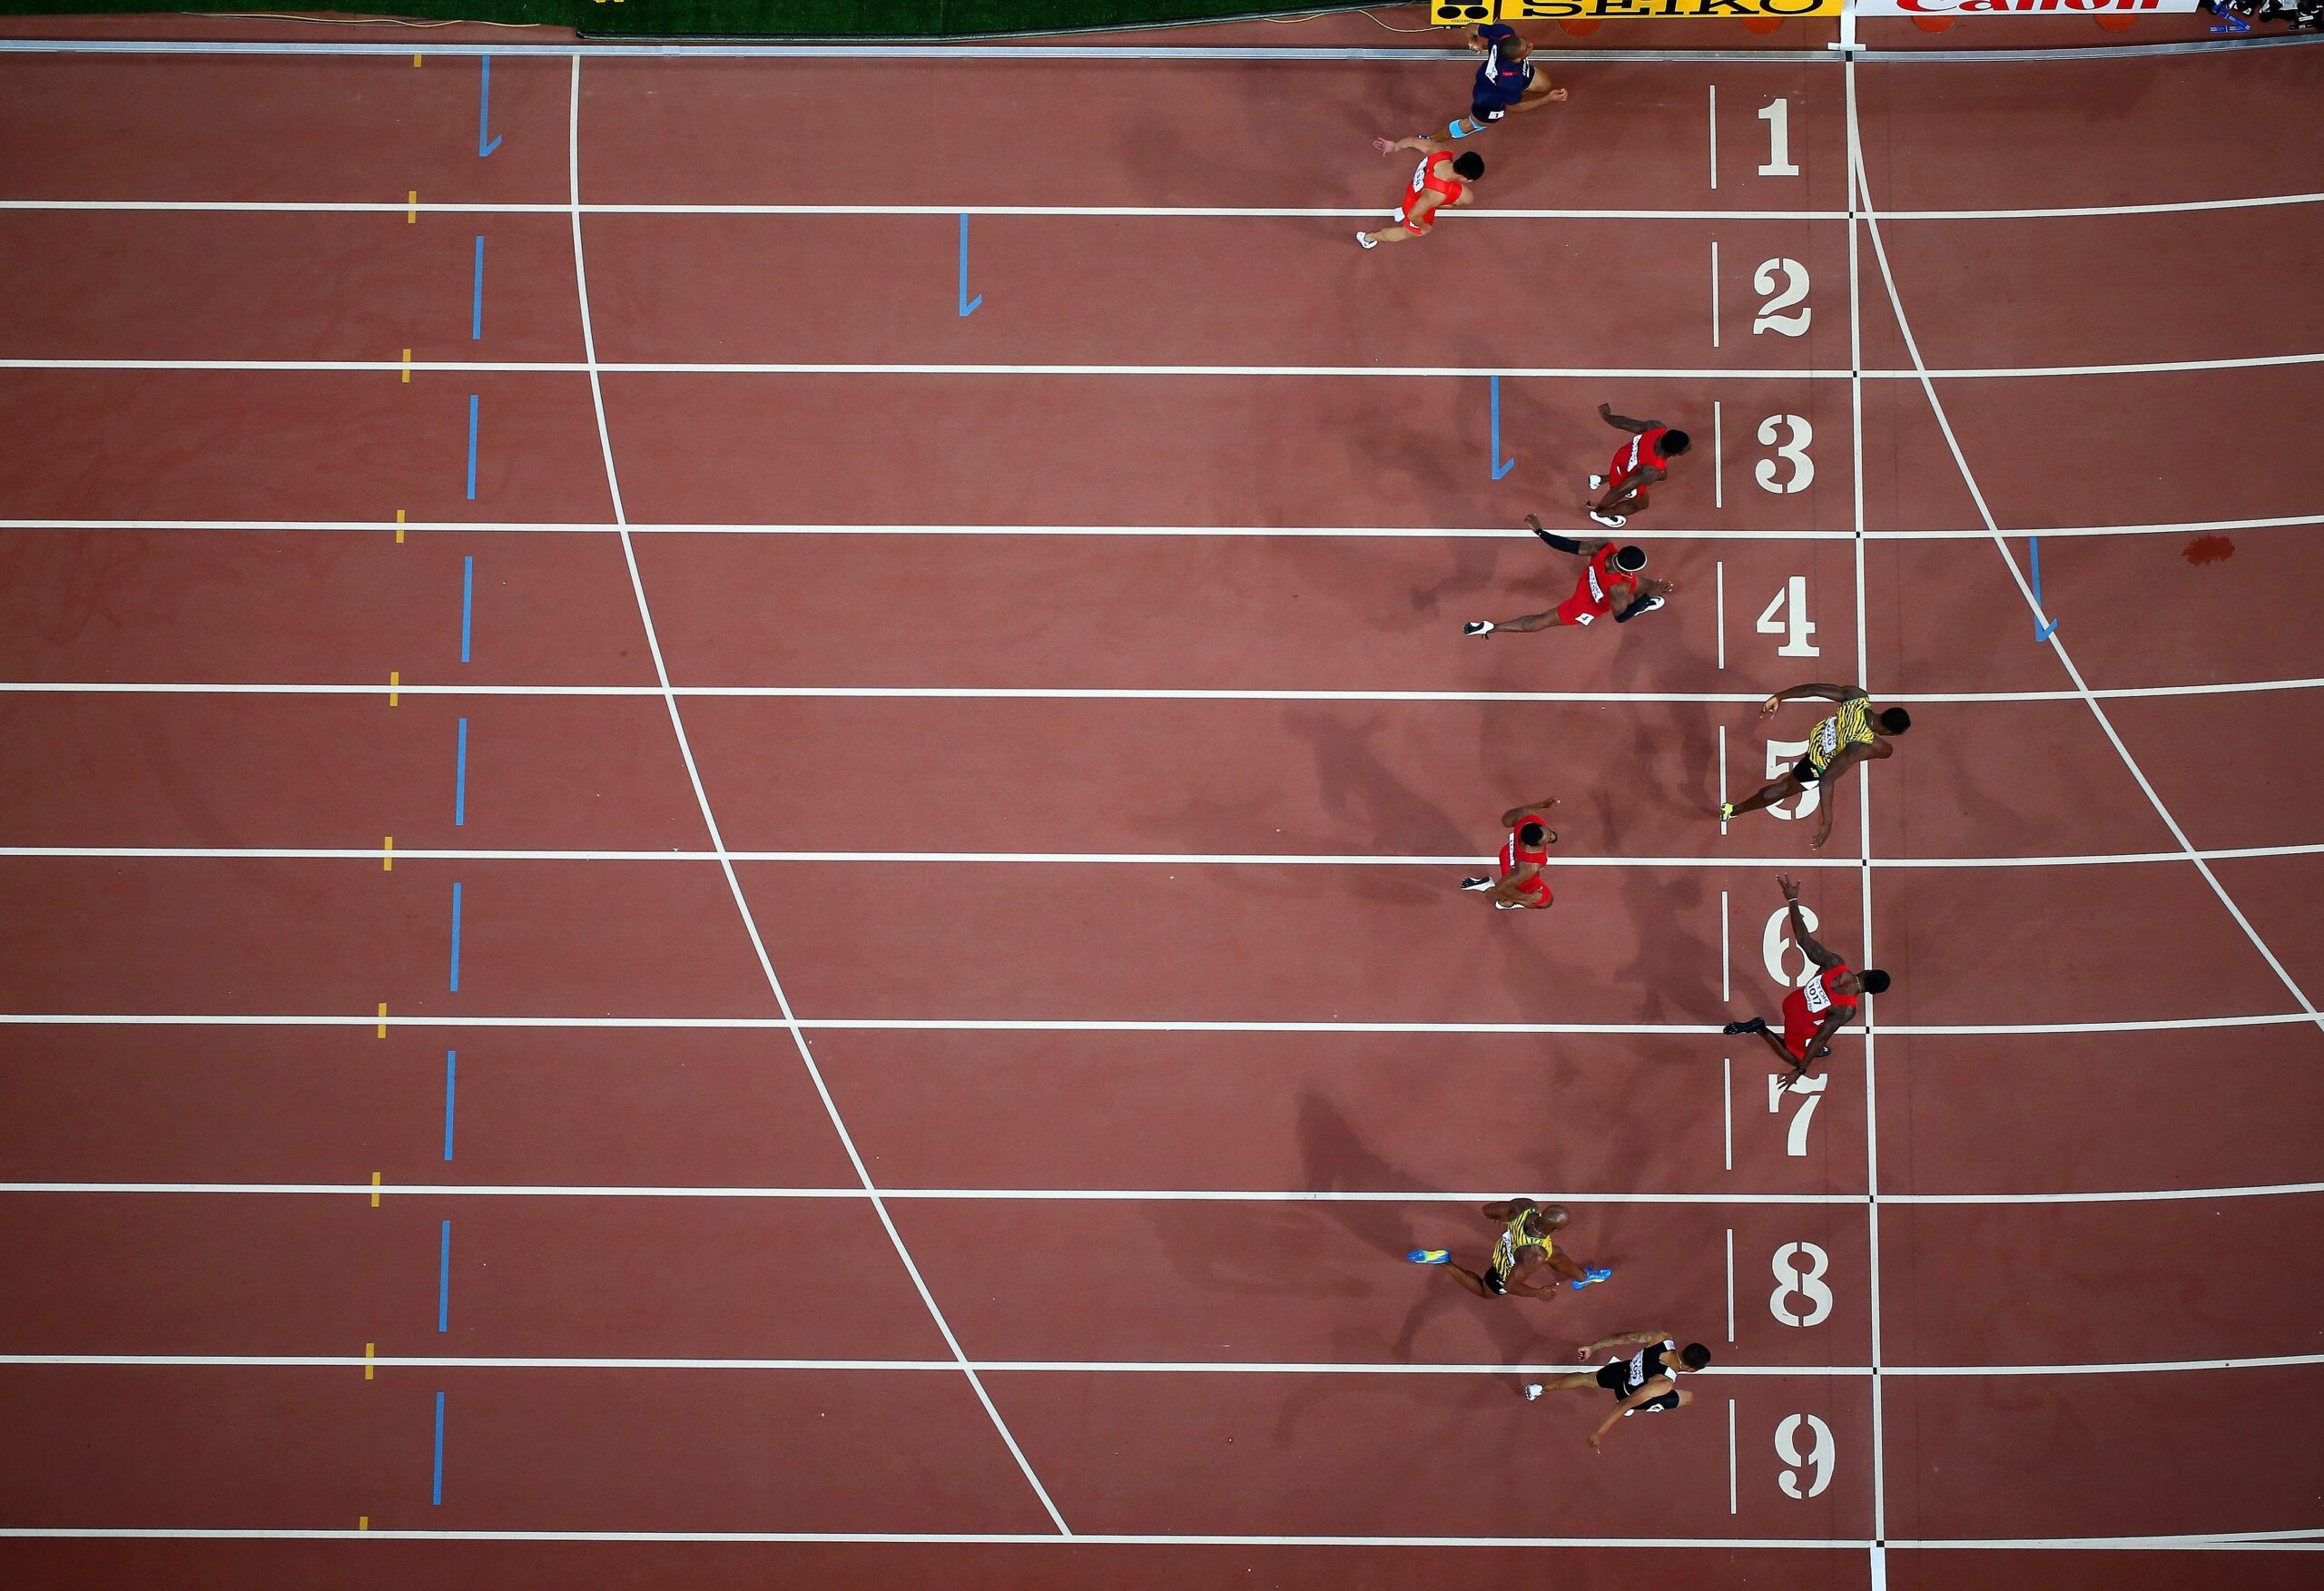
pixel 956 998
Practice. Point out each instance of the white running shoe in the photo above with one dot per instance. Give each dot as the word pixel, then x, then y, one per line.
pixel 1477 627
pixel 1596 481
pixel 1476 883
pixel 1367 240
pixel 1610 520
pixel 1532 1390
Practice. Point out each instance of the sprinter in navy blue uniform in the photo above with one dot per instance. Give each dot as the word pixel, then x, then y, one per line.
pixel 1506 82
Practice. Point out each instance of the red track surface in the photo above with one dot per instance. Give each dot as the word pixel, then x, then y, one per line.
pixel 1209 1088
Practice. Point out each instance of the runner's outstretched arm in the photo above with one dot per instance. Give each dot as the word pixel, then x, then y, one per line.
pixel 1580 549
pixel 1623 422
pixel 1812 691
pixel 1807 944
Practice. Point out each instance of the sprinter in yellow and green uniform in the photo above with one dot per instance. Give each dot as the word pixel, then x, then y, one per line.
pixel 1836 745
pixel 1522 1250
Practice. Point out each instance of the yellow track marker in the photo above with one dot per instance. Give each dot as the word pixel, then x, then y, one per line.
pixel 411 198
pixel 368 1349
pixel 388 855
pixel 363 1521
pixel 375 1190
pixel 414 60
pixel 383 1031
pixel 406 367
pixel 395 682
pixel 398 527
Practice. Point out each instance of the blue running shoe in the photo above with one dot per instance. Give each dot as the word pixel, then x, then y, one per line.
pixel 1430 1256
pixel 1593 1274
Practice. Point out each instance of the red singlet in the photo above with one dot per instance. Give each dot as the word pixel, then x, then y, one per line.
pixel 1593 594
pixel 1515 853
pixel 1424 180
pixel 1805 1008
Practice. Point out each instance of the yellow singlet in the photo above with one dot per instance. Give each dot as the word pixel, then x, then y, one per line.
pixel 1513 1237
pixel 1850 726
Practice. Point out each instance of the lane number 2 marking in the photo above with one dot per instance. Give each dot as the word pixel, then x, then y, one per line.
pixel 1772 315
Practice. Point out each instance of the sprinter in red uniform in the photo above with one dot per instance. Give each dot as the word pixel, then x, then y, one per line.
pixel 1815 1010
pixel 1443 178
pixel 1610 584
pixel 1522 885
pixel 1642 461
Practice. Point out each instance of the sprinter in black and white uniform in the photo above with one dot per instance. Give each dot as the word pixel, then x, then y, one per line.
pixel 1645 1383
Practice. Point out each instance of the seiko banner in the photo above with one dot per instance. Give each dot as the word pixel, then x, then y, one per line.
pixel 1469 12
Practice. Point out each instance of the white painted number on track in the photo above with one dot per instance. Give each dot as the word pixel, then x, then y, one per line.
pixel 1819 1458
pixel 1775 944
pixel 1782 757
pixel 1808 1094
pixel 1798 1269
pixel 1772 315
pixel 1777 115
pixel 1795 627
pixel 1794 452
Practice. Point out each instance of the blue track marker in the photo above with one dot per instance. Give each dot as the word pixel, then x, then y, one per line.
pixel 1499 467
pixel 444 1283
pixel 467 607
pixel 474 399
pixel 451 1081
pixel 437 1497
pixel 460 781
pixel 2041 631
pixel 455 939
pixel 967 304
pixel 476 304
pixel 485 142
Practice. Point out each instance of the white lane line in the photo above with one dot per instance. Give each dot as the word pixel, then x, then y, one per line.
pixel 1350 372
pixel 1858 201
pixel 1726 1134
pixel 1720 577
pixel 1714 138
pixel 1730 1284
pixel 2300 1541
pixel 1725 951
pixel 1729 1455
pixel 1087 1025
pixel 1137 1195
pixel 1074 694
pixel 1717 455
pixel 1292 532
pixel 1156 211
pixel 1124 858
pixel 1112 1366
pixel 1714 292
pixel 718 844
pixel 2055 643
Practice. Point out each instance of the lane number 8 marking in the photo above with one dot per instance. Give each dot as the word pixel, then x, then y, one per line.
pixel 1798 1269
pixel 1818 1459
pixel 1771 316
pixel 1793 451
